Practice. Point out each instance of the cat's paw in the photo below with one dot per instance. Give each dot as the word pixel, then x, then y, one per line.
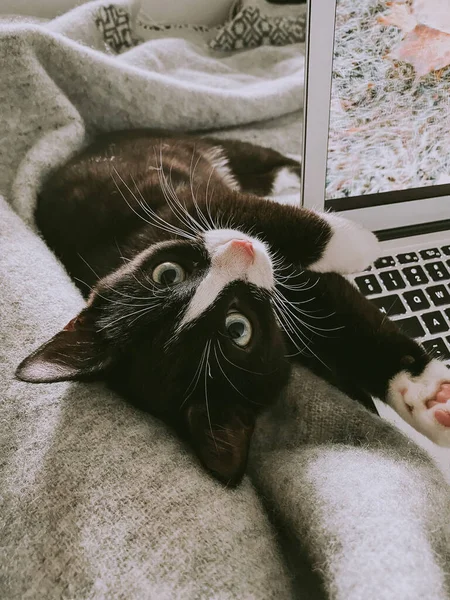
pixel 351 247
pixel 286 181
pixel 424 401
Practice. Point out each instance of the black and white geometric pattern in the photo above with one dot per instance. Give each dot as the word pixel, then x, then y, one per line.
pixel 114 23
pixel 249 29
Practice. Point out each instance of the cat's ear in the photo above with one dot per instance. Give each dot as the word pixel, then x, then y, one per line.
pixel 75 352
pixel 222 441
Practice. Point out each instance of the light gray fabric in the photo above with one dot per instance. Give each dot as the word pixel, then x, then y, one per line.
pixel 101 501
pixel 366 502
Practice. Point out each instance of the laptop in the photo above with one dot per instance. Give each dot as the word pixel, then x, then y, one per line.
pixel 368 155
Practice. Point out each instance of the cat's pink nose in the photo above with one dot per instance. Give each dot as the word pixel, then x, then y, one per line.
pixel 245 246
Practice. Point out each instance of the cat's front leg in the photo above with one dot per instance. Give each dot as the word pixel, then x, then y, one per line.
pixel 351 247
pixel 424 400
pixel 347 340
pixel 320 242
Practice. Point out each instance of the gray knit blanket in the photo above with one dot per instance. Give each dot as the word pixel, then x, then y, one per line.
pixel 100 501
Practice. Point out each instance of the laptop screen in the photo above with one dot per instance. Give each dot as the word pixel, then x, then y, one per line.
pixel 389 116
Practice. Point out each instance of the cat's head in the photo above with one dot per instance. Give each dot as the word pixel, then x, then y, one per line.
pixel 186 330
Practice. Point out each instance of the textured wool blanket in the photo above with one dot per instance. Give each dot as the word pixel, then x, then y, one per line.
pixel 101 501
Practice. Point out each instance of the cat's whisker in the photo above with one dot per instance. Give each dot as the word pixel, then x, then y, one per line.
pixel 209 198
pixel 299 288
pixel 115 290
pixel 306 350
pixel 125 199
pixel 292 306
pixel 173 201
pixel 303 302
pixel 127 316
pixel 155 291
pixel 312 328
pixel 150 308
pixel 294 330
pixel 237 366
pixel 209 225
pixel 288 332
pixel 206 397
pixel 176 206
pixel 121 256
pixel 199 368
pixel 230 224
pixel 200 213
pixel 111 300
pixel 157 221
pixel 224 444
pixel 88 265
pixel 196 377
pixel 224 374
pixel 151 213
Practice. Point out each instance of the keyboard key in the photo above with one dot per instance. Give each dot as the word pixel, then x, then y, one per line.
pixel 437 271
pixel 410 257
pixel 390 305
pixel 416 300
pixel 368 285
pixel 447 312
pixel 384 261
pixel 446 250
pixel 392 280
pixel 415 275
pixel 430 253
pixel 439 295
pixel 435 322
pixel 437 348
pixel 411 326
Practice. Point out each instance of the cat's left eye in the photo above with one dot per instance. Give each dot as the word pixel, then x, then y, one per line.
pixel 239 329
pixel 168 273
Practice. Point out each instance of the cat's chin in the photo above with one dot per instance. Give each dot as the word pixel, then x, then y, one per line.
pixel 351 247
pixel 424 401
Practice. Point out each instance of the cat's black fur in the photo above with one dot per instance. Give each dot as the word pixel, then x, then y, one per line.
pixel 98 215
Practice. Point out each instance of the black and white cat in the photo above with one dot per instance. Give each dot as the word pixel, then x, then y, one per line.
pixel 201 293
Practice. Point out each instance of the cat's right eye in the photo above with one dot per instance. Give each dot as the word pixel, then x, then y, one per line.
pixel 239 329
pixel 168 273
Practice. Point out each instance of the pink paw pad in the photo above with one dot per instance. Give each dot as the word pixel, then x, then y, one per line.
pixel 442 415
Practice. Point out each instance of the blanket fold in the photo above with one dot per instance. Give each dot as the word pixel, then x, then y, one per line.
pixel 101 501
pixel 356 492
pixel 77 90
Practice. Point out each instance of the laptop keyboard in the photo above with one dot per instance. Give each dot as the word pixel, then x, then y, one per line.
pixel 413 289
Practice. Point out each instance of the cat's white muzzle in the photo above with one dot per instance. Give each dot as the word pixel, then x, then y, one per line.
pixel 234 257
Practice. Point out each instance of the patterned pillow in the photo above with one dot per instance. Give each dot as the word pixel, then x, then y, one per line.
pixel 249 29
pixel 115 25
pixel 269 9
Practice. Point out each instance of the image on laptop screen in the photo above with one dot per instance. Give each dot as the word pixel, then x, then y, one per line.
pixel 389 126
